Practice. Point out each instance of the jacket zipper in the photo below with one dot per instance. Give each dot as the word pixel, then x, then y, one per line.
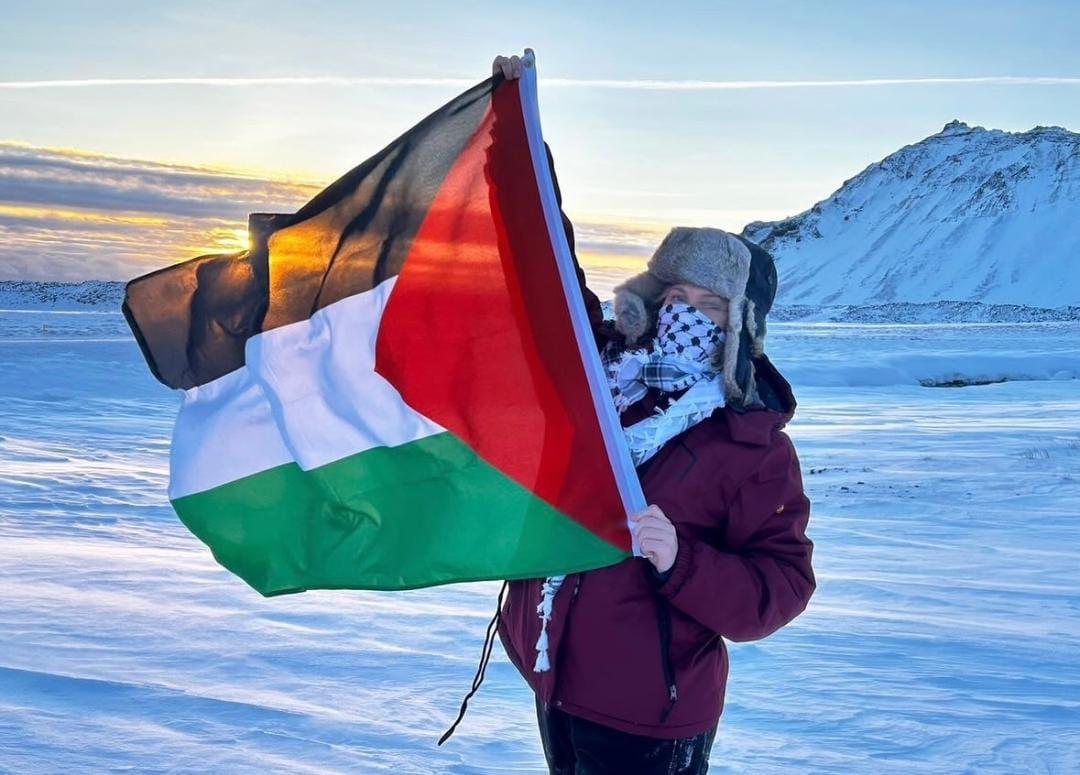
pixel 573 596
pixel 663 613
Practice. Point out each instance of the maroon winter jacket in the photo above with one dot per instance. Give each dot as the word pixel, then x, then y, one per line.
pixel 619 639
pixel 732 487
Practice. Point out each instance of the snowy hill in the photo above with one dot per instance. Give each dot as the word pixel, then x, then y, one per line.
pixel 966 215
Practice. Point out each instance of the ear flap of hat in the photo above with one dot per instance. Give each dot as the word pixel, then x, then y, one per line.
pixel 732 338
pixel 760 293
pixel 740 344
pixel 636 303
pixel 755 326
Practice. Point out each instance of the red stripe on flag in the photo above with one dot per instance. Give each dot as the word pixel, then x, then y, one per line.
pixel 477 335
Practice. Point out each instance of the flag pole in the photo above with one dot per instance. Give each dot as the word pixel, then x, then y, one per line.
pixel 618 453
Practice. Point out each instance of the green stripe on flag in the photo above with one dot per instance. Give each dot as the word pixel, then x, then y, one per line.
pixel 423 513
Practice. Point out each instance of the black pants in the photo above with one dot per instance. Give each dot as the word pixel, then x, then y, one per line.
pixel 574 746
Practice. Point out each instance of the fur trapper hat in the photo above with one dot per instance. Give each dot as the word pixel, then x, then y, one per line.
pixel 729 266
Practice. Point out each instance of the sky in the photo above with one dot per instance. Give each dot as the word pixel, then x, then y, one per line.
pixel 136 134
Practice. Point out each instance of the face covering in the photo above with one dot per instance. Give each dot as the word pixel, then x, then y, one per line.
pixel 684 332
pixel 682 352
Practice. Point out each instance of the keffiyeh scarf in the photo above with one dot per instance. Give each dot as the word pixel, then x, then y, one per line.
pixel 680 357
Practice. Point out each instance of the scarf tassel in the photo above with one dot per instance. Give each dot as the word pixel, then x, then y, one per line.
pixel 547 600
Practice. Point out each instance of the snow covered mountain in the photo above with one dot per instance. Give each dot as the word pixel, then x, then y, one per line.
pixel 968 214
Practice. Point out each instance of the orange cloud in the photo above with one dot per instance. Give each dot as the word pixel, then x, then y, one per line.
pixel 73 214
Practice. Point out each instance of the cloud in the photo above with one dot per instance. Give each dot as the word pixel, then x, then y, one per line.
pixel 701 85
pixel 591 83
pixel 82 83
pixel 68 214
pixel 71 215
pixel 77 179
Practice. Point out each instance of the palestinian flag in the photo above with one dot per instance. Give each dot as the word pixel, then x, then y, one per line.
pixel 397 386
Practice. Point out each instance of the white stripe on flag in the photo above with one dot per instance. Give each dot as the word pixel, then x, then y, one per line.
pixel 308 393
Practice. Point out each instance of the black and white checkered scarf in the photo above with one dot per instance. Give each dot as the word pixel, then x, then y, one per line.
pixel 681 354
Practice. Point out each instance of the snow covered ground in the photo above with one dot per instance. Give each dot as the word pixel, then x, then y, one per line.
pixel 944 635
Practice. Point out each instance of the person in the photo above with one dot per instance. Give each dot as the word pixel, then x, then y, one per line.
pixel 629 662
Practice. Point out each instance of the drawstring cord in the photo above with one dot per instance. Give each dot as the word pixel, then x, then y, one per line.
pixel 485 655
